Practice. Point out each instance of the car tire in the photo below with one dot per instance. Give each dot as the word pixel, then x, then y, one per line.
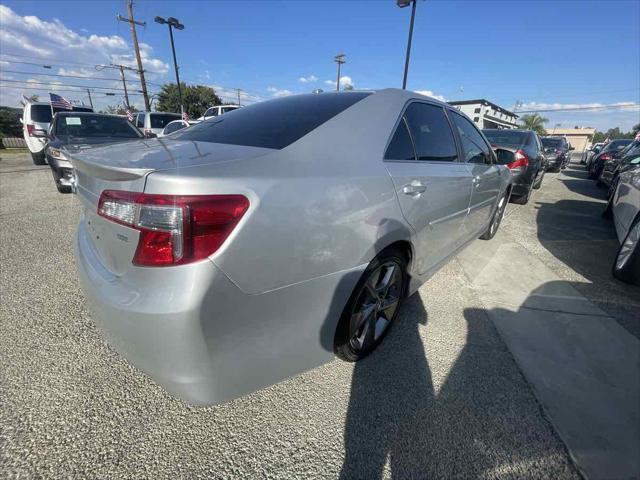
pixel 608 210
pixel 493 227
pixel 626 266
pixel 538 182
pixel 366 320
pixel 522 199
pixel 38 158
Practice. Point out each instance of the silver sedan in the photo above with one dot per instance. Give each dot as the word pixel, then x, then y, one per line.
pixel 256 245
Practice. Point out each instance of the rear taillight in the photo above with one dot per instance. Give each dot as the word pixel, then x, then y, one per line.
pixel 174 229
pixel 558 151
pixel 31 130
pixel 521 161
pixel 605 157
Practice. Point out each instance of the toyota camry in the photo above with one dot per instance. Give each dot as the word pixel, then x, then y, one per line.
pixel 261 243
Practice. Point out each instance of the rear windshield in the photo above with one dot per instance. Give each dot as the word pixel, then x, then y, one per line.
pixel 95 126
pixel 42 113
pixel 274 123
pixel 616 145
pixel 506 137
pixel 553 142
pixel 160 120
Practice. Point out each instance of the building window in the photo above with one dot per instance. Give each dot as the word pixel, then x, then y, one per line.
pixel 477 110
pixel 476 119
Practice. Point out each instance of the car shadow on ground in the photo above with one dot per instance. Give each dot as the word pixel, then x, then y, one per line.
pixel 483 420
pixel 577 235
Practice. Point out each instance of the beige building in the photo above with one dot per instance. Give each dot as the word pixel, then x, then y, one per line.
pixel 579 138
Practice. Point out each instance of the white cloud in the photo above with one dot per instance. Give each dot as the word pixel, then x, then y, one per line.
pixel 308 79
pixel 344 81
pixel 53 43
pixel 275 92
pixel 591 107
pixel 429 93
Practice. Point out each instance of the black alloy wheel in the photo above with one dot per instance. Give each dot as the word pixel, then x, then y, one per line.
pixel 372 308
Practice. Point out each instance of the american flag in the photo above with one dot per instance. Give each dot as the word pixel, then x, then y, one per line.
pixel 58 102
pixel 129 115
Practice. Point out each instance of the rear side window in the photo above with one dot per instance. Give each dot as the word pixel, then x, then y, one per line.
pixel 140 120
pixel 173 127
pixel 401 145
pixel 41 113
pixel 431 133
pixel 212 112
pixel 476 149
pixel 274 123
pixel 160 120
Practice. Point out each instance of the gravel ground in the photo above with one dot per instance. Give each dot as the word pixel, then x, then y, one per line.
pixel 442 398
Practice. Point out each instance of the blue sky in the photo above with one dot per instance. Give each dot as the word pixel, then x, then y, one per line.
pixel 563 53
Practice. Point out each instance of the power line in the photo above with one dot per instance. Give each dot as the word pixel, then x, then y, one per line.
pixel 44 89
pixel 24 82
pixel 60 75
pixel 572 109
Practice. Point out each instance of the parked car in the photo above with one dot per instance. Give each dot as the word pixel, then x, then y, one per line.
pixel 626 218
pixel 620 159
pixel 232 254
pixel 73 131
pixel 36 117
pixel 154 122
pixel 557 151
pixel 529 162
pixel 597 163
pixel 174 126
pixel 218 110
pixel 590 152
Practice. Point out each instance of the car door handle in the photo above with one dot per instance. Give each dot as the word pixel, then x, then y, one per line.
pixel 414 188
pixel 476 181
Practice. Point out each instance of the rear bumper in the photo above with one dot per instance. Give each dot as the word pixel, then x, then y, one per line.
pixel 199 336
pixel 62 171
pixel 555 163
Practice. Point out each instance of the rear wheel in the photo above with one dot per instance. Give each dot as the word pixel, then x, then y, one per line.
pixel 627 264
pixel 38 158
pixel 497 218
pixel 372 307
pixel 522 199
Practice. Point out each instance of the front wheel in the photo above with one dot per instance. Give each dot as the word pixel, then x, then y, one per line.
pixel 538 182
pixel 627 264
pixel 372 307
pixel 522 199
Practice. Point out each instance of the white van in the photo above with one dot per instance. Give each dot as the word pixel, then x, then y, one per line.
pixel 36 117
pixel 154 122
pixel 218 110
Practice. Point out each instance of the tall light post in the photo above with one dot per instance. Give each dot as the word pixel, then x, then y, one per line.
pixel 339 59
pixel 173 23
pixel 402 4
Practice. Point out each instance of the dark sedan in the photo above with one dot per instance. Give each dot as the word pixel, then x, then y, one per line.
pixel 557 151
pixel 607 153
pixel 72 131
pixel 528 164
pixel 621 162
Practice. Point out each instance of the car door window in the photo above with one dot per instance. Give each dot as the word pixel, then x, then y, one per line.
pixel 140 120
pixel 431 133
pixel 401 145
pixel 476 149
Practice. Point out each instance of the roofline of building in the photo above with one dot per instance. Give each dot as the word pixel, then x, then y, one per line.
pixel 485 102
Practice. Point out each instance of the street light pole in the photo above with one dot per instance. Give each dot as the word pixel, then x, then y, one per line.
pixel 402 4
pixel 174 23
pixel 339 59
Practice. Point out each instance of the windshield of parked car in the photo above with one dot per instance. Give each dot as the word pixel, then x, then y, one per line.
pixel 160 120
pixel 506 137
pixel 274 123
pixel 95 126
pixel 42 113
pixel 553 142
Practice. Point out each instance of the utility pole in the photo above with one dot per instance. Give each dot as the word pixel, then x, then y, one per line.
pixel 90 101
pixel 124 84
pixel 172 23
pixel 402 4
pixel 238 96
pixel 339 59
pixel 132 23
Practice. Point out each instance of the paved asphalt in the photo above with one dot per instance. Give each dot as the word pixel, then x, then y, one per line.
pixel 442 398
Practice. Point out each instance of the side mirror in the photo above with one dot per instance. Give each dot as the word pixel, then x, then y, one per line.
pixel 572 148
pixel 150 135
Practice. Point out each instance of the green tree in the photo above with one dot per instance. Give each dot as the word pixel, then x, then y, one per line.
pixel 534 122
pixel 10 125
pixel 196 98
